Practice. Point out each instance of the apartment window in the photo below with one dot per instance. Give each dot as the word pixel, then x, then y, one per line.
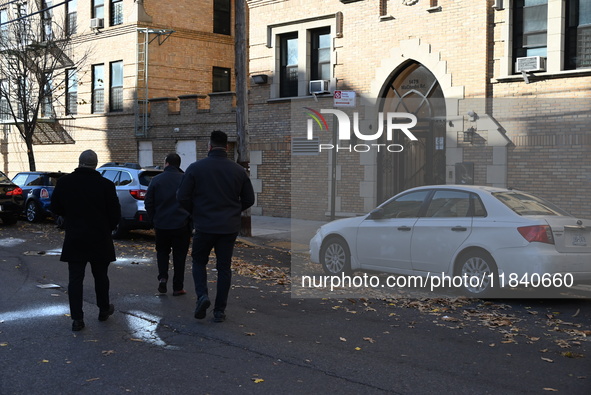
pixel 47 101
pixel 3 26
pixel 47 16
pixel 98 8
pixel 98 89
pixel 530 26
pixel 288 73
pixel 116 91
pixel 23 29
pixel 383 7
pixel 116 12
pixel 5 114
pixel 222 17
pixel 578 34
pixel 320 59
pixel 221 79
pixel 71 15
pixel 71 92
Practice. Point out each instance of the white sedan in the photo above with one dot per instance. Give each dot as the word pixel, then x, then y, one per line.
pixel 498 237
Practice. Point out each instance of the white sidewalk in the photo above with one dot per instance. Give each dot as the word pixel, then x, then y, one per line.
pixel 284 233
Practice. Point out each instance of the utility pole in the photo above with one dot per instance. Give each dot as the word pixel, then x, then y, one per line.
pixel 240 55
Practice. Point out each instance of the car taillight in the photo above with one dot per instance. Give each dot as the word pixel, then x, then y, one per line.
pixel 139 194
pixel 539 233
pixel 15 192
pixel 44 194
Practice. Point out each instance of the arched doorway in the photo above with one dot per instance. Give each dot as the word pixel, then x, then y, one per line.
pixel 414 89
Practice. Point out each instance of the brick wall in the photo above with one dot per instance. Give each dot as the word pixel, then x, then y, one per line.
pixel 534 136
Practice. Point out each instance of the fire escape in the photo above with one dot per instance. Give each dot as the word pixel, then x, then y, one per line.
pixel 48 129
pixel 145 37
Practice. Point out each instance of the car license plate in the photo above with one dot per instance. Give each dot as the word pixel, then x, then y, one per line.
pixel 579 240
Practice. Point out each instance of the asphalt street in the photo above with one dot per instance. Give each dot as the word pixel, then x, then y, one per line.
pixel 272 341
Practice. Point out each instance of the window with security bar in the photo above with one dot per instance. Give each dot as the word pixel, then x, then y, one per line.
pixel 98 89
pixel 71 17
pixel 71 92
pixel 116 12
pixel 116 91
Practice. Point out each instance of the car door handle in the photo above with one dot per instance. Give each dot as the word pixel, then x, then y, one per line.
pixel 459 229
pixel 404 228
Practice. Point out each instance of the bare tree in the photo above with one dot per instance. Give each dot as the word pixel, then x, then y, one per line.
pixel 35 52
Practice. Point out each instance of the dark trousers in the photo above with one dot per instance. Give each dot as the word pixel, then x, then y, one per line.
pixel 223 245
pixel 177 241
pixel 76 286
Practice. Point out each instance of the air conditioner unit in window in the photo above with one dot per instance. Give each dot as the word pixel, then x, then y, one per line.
pixel 97 23
pixel 319 86
pixel 530 63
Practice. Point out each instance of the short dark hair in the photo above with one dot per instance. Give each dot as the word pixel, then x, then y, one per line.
pixel 218 139
pixel 173 159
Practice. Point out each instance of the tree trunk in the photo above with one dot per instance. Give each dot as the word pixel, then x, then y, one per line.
pixel 30 153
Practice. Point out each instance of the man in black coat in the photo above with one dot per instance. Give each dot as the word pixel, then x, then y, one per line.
pixel 89 205
pixel 171 224
pixel 215 190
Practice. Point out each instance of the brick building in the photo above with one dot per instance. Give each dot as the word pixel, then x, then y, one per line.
pixel 500 90
pixel 157 78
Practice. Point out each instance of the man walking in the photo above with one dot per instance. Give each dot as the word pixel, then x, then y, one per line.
pixel 171 224
pixel 90 207
pixel 215 190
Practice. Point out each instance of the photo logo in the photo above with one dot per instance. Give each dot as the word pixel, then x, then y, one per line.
pixel 392 123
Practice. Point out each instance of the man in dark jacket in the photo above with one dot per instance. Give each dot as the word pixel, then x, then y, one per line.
pixel 90 207
pixel 171 224
pixel 215 190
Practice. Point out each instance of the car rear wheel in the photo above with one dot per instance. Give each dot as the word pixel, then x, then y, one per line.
pixel 32 211
pixel 335 256
pixel 479 273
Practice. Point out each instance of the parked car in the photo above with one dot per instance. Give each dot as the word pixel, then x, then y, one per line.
pixel 11 200
pixel 503 237
pixel 37 189
pixel 131 182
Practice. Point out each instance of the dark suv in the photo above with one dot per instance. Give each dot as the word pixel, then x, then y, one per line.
pixel 131 182
pixel 11 200
pixel 37 189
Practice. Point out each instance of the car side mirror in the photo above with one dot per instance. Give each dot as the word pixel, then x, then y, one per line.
pixel 377 213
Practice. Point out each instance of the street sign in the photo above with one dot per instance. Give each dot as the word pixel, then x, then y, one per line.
pixel 344 98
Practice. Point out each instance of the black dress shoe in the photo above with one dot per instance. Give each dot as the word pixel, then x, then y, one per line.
pixel 202 306
pixel 162 286
pixel 104 315
pixel 77 325
pixel 219 316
